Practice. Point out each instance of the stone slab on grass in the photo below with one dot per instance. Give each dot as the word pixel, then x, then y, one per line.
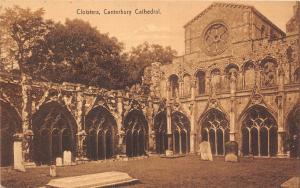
pixel 93 180
pixel 294 182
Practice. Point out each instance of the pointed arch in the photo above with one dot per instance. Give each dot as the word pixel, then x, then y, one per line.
pixel 259 131
pixel 268 75
pixel 201 82
pixel 180 126
pixel 248 69
pixel 102 130
pixel 136 130
pixel 10 124
pixel 54 130
pixel 160 128
pixel 174 85
pixel 214 128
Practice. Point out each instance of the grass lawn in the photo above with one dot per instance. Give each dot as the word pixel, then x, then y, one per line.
pixel 187 171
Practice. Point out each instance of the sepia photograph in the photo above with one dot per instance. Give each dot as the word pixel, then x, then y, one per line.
pixel 149 93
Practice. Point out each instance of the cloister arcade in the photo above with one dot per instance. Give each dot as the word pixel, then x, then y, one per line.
pixel 101 129
pixel 54 131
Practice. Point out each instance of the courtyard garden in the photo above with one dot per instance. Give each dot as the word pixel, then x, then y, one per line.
pixel 187 171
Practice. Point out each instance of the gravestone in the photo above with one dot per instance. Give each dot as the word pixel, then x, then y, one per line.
pixel 205 151
pixel 104 179
pixel 67 158
pixel 294 182
pixel 18 159
pixel 58 161
pixel 53 171
pixel 231 151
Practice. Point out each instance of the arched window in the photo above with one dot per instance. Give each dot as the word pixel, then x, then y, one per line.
pixel 262 31
pixel 297 75
pixel 102 134
pixel 160 127
pixel 259 132
pixel 200 82
pixel 174 85
pixel 215 130
pixel 55 131
pixel 181 133
pixel 186 85
pixel 249 75
pixel 216 79
pixel 268 72
pixel 136 131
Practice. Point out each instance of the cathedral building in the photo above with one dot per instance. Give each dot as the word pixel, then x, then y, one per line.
pixel 239 80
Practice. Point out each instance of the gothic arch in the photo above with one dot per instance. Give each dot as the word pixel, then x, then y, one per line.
pixel 248 72
pixel 258 131
pixel 187 83
pixel 174 85
pixel 102 139
pixel 10 124
pixel 268 75
pixel 136 133
pixel 214 128
pixel 200 76
pixel 216 79
pixel 180 127
pixel 160 128
pixel 54 130
pixel 293 131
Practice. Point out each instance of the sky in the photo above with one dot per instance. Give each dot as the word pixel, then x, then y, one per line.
pixel 165 28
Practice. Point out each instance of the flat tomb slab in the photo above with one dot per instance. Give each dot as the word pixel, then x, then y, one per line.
pixel 93 180
pixel 294 182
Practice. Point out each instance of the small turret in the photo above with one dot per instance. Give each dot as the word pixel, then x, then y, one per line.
pixel 293 25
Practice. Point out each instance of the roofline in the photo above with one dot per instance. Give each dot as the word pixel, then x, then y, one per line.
pixel 233 5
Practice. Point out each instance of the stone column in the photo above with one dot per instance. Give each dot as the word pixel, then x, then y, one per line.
pixel 169 151
pixel 119 121
pixel 150 125
pixel 81 134
pixel 192 109
pixel 280 115
pixel 232 114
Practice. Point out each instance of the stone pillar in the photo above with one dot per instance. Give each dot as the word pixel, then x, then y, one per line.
pixel 119 121
pixel 192 109
pixel 82 145
pixel 232 114
pixel 280 115
pixel 150 125
pixel 169 151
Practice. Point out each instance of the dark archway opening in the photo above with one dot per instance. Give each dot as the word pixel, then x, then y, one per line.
pixel 102 134
pixel 54 132
pixel 215 129
pixel 9 125
pixel 160 127
pixel 181 133
pixel 136 129
pixel 262 137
